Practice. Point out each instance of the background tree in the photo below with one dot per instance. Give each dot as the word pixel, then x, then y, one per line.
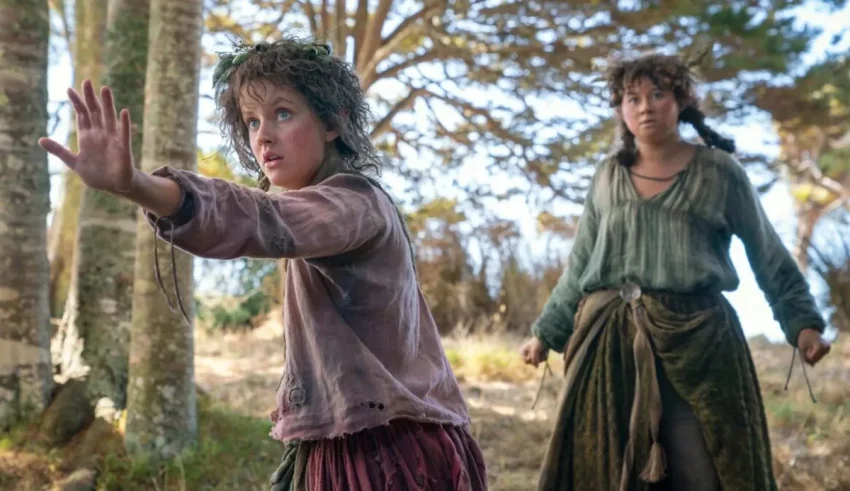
pixel 87 42
pixel 94 337
pixel 25 374
pixel 161 406
pixel 512 84
pixel 812 120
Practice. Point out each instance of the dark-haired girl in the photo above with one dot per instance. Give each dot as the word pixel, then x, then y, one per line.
pixel 660 390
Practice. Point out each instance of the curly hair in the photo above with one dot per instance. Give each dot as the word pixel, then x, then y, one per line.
pixel 667 73
pixel 327 82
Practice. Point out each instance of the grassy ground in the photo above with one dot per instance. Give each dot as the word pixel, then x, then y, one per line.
pixel 237 375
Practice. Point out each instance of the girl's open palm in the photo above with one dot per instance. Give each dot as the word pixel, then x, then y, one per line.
pixel 105 158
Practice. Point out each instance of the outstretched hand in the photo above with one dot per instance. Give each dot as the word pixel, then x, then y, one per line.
pixel 105 157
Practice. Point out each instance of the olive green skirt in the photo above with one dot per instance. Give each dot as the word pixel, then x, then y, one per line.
pixel 606 434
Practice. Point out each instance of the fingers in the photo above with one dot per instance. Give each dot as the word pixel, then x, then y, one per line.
pixel 59 151
pixel 95 111
pixel 816 352
pixel 83 118
pixel 109 116
pixel 813 354
pixel 126 134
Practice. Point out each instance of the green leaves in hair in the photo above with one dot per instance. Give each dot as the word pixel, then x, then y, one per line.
pixel 229 62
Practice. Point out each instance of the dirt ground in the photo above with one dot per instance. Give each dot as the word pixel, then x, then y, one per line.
pixel 810 441
pixel 237 374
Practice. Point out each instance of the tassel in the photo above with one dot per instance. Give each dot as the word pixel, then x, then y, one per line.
pixel 654 470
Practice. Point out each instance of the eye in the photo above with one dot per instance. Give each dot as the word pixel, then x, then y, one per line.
pixel 632 100
pixel 252 123
pixel 283 114
pixel 658 94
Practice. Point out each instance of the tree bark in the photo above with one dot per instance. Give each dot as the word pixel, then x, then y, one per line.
pixel 97 338
pixel 25 372
pixel 161 405
pixel 90 20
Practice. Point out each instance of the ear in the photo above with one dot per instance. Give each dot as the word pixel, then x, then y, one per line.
pixel 332 133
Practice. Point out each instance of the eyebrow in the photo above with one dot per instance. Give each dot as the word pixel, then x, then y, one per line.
pixel 277 100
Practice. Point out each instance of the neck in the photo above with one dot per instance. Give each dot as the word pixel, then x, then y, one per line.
pixel 661 151
pixel 333 164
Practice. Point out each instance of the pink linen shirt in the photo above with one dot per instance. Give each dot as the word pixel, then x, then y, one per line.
pixel 362 348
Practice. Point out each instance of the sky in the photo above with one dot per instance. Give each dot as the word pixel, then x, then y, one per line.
pixel 748 300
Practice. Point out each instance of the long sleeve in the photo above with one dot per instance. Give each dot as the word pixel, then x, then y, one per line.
pixel 223 220
pixel 555 324
pixel 775 270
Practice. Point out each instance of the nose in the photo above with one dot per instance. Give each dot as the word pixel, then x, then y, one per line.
pixel 265 133
pixel 645 106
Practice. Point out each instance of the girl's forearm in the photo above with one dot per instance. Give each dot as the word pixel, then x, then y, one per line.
pixel 158 195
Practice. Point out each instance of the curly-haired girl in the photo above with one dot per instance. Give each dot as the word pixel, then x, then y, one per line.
pixel 659 379
pixel 367 400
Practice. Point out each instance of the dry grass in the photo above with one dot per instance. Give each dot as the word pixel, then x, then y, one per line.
pixel 238 374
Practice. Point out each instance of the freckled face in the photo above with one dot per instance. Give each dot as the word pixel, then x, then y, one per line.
pixel 650 113
pixel 287 138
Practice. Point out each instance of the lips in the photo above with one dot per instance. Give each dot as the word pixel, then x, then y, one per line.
pixel 271 160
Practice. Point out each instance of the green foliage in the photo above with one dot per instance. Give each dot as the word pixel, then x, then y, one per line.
pixel 233 313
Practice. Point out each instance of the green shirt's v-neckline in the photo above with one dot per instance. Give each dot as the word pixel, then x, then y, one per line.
pixel 659 195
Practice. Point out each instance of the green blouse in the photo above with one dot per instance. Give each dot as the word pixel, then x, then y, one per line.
pixel 677 241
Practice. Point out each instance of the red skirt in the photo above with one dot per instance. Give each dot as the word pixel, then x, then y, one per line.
pixel 401 456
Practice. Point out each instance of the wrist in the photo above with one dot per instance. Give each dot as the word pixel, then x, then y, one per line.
pixel 808 332
pixel 131 188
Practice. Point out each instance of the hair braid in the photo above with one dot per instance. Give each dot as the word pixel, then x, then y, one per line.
pixel 627 155
pixel 696 118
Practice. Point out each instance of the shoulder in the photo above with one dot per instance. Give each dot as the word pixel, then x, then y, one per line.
pixel 726 166
pixel 354 186
pixel 365 190
pixel 604 172
pixel 353 182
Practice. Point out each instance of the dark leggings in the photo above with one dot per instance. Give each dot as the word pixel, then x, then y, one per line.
pixel 689 466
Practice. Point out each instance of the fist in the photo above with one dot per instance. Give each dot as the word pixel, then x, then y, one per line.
pixel 533 352
pixel 812 346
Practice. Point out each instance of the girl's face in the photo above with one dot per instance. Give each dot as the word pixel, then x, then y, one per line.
pixel 651 114
pixel 287 138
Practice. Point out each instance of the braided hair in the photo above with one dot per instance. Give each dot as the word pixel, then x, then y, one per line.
pixel 667 73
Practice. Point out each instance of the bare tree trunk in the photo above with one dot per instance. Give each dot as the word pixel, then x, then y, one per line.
pixel 90 20
pixel 96 341
pixel 25 373
pixel 161 405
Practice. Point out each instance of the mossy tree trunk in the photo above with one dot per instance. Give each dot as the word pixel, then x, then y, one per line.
pixel 89 40
pixel 25 374
pixel 97 335
pixel 161 405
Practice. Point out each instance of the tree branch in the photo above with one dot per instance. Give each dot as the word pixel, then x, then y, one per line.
pixel 402 105
pixel 361 18
pixel 325 21
pixel 394 70
pixel 340 16
pixel 307 5
pixel 372 38
pixel 405 30
pixel 59 7
pixel 406 24
pixel 286 7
